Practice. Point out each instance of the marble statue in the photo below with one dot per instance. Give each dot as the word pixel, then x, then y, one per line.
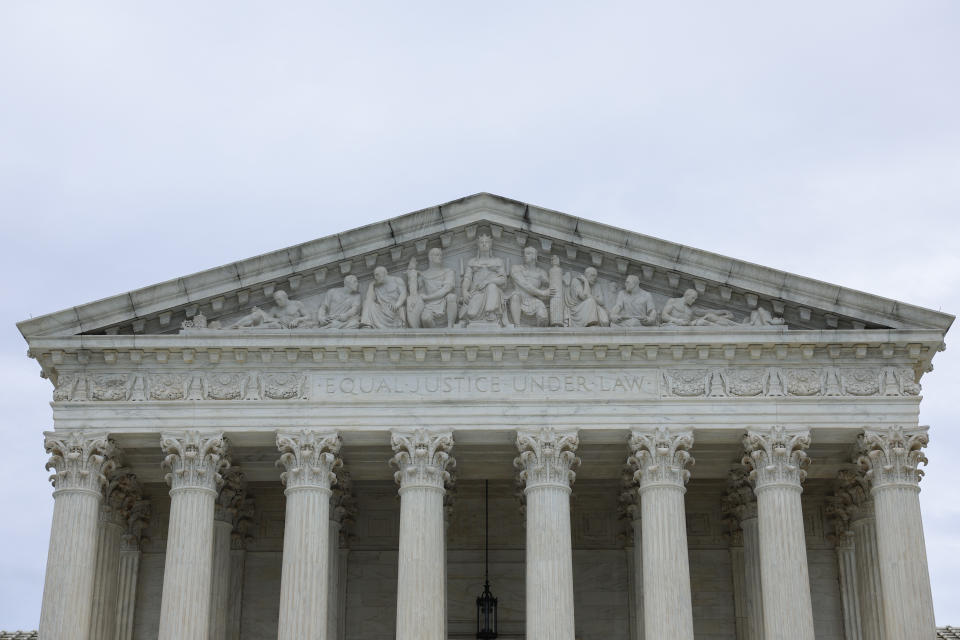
pixel 287 314
pixel 583 308
pixel 341 306
pixel 634 306
pixel 482 287
pixel 531 288
pixel 384 304
pixel 432 298
pixel 679 312
pixel 760 317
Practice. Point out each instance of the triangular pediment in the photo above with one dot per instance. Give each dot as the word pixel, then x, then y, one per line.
pixel 307 272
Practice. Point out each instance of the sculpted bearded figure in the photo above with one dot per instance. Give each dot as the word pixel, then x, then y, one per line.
pixel 431 301
pixel 384 304
pixel 532 287
pixel 583 308
pixel 341 306
pixel 634 306
pixel 482 287
pixel 760 317
pixel 679 312
pixel 287 314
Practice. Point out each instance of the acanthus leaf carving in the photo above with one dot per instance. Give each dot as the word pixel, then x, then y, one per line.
pixel 309 458
pixel 81 460
pixel 422 457
pixel 194 459
pixel 892 456
pixel 777 456
pixel 547 457
pixel 661 456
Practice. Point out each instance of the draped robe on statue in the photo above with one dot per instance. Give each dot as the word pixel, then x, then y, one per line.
pixel 378 307
pixel 485 296
pixel 583 308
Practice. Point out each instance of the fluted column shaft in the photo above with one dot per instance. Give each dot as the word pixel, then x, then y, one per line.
pixel 892 457
pixel 777 459
pixel 637 595
pixel 546 464
pixel 422 457
pixel 309 457
pixel 660 458
pixel 752 580
pixel 238 561
pixel 220 577
pixel 80 459
pixel 195 461
pixel 127 593
pixel 867 574
pixel 106 585
pixel 333 573
pixel 847 568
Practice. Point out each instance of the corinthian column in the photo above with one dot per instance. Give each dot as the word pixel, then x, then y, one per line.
pixel 854 492
pixel 630 505
pixel 777 459
pixel 342 507
pixel 422 457
pixel 890 458
pixel 546 463
pixel 80 459
pixel 121 493
pixel 660 460
pixel 194 462
pixel 309 457
pixel 740 505
pixel 226 507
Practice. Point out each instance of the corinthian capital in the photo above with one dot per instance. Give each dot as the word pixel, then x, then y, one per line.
pixel 194 459
pixel 738 503
pixel 232 494
pixel 777 456
pixel 422 457
pixel 309 457
pixel 547 457
pixel 892 456
pixel 120 495
pixel 80 458
pixel 660 457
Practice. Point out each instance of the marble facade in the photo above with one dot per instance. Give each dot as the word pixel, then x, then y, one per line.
pixel 678 444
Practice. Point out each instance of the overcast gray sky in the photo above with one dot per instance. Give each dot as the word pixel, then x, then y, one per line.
pixel 143 141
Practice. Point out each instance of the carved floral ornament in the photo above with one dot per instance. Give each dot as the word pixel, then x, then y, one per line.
pixel 422 457
pixel 485 291
pixel 194 459
pixel 891 456
pixel 661 457
pixel 309 458
pixel 547 457
pixel 777 456
pixel 81 460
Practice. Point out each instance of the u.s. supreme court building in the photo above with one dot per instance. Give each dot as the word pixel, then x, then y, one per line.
pixel 672 444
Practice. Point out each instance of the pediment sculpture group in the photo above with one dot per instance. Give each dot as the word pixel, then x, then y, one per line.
pixel 489 295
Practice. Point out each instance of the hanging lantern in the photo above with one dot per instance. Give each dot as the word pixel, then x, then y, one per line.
pixel 486 603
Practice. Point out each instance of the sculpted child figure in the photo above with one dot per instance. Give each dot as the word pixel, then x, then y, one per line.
pixel 482 287
pixel 383 306
pixel 634 306
pixel 341 306
pixel 584 310
pixel 532 287
pixel 431 301
pixel 287 314
pixel 679 312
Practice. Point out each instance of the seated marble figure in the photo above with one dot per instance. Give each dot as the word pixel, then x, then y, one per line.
pixel 634 307
pixel 431 299
pixel 341 306
pixel 531 290
pixel 583 308
pixel 384 305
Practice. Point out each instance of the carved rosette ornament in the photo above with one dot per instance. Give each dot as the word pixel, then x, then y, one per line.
pixel 777 456
pixel 661 457
pixel 547 457
pixel 310 457
pixel 81 460
pixel 891 457
pixel 194 460
pixel 422 457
